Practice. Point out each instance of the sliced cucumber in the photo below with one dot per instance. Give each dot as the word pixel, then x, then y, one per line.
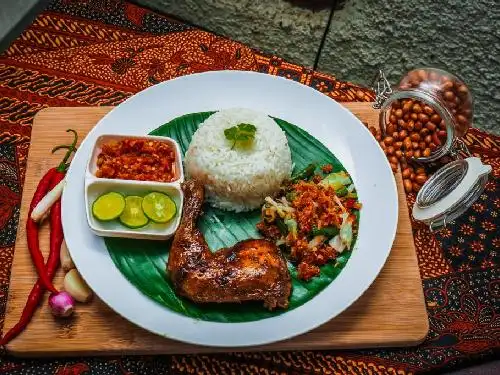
pixel 159 207
pixel 108 206
pixel 133 215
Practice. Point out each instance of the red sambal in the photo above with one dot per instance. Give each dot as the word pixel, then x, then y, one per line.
pixel 137 159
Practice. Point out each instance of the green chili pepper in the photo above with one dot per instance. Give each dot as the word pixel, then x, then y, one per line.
pixel 325 231
pixel 281 226
pixel 342 192
pixel 305 173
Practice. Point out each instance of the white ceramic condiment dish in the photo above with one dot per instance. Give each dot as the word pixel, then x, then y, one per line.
pixel 96 186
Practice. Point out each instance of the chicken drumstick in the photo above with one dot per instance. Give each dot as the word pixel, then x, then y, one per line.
pixel 251 270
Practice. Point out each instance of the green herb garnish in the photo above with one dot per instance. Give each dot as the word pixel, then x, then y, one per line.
pixel 241 133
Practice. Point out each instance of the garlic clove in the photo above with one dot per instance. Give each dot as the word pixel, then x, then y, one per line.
pixel 77 287
pixel 66 261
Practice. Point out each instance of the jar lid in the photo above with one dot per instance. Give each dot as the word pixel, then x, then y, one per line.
pixel 450 191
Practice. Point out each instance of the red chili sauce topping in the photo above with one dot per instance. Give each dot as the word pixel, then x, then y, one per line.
pixel 137 159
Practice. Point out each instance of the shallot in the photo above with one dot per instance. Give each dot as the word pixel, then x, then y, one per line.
pixel 61 304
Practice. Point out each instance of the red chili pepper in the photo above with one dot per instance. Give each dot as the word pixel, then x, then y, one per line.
pixel 45 271
pixel 52 265
pixel 32 226
pixel 32 230
pixel 350 203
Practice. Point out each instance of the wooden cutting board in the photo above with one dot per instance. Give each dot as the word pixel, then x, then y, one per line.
pixel 391 313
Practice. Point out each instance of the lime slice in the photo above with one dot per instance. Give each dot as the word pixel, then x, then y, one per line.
pixel 159 207
pixel 133 216
pixel 108 206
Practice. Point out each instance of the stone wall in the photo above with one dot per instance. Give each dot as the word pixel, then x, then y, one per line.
pixel 462 36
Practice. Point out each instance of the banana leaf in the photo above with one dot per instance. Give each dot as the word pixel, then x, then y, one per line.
pixel 143 262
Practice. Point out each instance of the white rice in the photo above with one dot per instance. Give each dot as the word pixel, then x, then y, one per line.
pixel 241 178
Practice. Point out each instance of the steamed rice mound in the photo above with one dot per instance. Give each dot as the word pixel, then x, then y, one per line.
pixel 238 179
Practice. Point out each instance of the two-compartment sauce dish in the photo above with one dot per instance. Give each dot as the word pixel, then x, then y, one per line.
pixel 132 187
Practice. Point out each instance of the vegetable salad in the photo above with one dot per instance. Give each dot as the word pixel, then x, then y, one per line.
pixel 314 218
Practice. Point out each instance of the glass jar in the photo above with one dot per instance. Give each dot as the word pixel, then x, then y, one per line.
pixel 429 112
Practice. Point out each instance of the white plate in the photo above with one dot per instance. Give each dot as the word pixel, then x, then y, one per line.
pixel 322 117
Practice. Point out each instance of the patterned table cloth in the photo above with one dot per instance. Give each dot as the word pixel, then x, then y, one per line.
pixel 100 52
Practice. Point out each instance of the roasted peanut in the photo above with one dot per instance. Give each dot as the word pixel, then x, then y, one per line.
pixel 463 90
pixel 431 126
pixel 449 95
pixel 433 76
pixel 398 145
pixel 394 167
pixel 388 141
pixel 393 160
pixel 414 145
pixel 426 152
pixel 407 143
pixel 420 179
pixel 389 150
pixel 406 173
pixel 402 134
pixel 414 116
pixel 447 84
pixel 416 187
pixel 462 120
pixel 415 137
pixel 418 126
pixel 398 154
pixel 416 154
pixel 393 119
pixel 428 110
pixel 422 74
pixel 399 113
pixel 417 108
pixel 428 139
pixel 409 154
pixel 391 128
pixel 424 132
pixel 408 185
pixel 435 118
pixel 422 145
pixel 423 118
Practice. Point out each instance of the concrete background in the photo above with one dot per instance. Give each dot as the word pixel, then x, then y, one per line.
pixel 15 15
pixel 460 36
pixel 351 39
pixel 290 31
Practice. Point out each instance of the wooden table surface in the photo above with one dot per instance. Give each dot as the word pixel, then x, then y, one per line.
pixel 391 312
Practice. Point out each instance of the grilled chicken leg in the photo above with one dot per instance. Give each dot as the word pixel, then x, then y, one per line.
pixel 251 270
